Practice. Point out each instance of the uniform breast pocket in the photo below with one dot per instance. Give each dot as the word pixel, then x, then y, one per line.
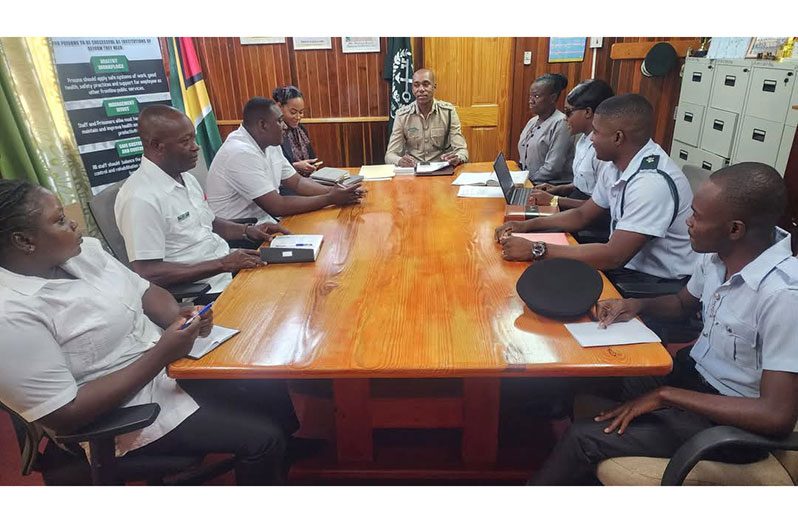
pixel 181 226
pixel 414 137
pixel 740 343
pixel 438 137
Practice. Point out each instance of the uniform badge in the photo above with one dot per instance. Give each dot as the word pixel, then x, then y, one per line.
pixel 183 216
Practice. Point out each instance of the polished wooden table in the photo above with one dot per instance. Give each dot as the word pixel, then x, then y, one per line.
pixel 409 284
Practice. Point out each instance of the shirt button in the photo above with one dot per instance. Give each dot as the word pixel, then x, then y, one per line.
pixel 426 139
pixel 704 334
pixel 717 295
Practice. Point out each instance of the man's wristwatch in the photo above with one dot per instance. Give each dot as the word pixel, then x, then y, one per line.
pixel 538 250
pixel 554 202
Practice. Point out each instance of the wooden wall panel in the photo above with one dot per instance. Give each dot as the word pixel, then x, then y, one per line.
pixel 623 75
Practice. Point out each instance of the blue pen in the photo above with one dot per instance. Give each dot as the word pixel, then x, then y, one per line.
pixel 200 313
pixel 303 245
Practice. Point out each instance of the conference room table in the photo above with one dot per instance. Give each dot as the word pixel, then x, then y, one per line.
pixel 408 285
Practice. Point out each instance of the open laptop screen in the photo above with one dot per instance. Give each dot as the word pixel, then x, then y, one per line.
pixel 503 174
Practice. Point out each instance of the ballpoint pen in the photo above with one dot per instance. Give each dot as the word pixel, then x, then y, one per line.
pixel 196 315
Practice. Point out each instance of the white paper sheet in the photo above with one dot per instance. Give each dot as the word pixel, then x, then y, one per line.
pixel 218 335
pixel 519 177
pixel 477 191
pixel 625 333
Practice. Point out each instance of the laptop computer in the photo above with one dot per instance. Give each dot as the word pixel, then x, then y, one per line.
pixel 512 194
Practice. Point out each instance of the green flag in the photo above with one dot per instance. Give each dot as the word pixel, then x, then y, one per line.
pixel 398 71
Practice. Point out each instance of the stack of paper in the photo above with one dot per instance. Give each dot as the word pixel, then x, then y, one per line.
pixel 623 333
pixel 372 173
pixel 476 191
pixel 431 167
pixel 404 170
pixel 218 335
pixel 519 177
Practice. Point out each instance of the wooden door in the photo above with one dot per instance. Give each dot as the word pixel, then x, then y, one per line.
pixel 475 75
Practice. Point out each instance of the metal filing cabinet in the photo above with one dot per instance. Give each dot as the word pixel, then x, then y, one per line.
pixel 729 86
pixel 688 123
pixel 708 161
pixel 769 92
pixel 718 132
pixel 696 81
pixel 683 154
pixel 792 114
pixel 787 138
pixel 759 141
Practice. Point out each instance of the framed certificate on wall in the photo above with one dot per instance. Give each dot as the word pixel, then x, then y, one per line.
pixel 360 44
pixel 309 43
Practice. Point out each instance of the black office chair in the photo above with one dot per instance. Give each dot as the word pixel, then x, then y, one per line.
pixel 102 209
pixel 63 461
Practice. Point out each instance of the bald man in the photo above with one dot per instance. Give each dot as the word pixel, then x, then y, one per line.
pixel 427 130
pixel 171 235
pixel 647 196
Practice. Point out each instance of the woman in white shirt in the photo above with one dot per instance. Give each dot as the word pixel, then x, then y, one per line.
pixel 80 335
pixel 545 146
pixel 580 105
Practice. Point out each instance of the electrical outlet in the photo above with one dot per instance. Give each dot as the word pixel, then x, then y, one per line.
pixel 596 42
pixel 527 57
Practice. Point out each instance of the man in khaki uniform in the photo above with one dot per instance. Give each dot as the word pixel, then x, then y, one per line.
pixel 426 130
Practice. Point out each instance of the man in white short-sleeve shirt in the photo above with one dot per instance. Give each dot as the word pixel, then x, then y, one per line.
pixel 646 195
pixel 246 174
pixel 171 236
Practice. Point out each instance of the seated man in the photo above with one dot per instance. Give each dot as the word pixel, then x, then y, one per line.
pixel 647 195
pixel 171 235
pixel 427 130
pixel 246 174
pixel 743 370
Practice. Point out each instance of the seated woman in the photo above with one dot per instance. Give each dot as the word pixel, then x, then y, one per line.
pixel 580 104
pixel 296 142
pixel 89 335
pixel 545 147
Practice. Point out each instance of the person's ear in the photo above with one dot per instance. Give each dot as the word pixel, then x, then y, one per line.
pixel 737 230
pixel 619 138
pixel 588 113
pixel 23 242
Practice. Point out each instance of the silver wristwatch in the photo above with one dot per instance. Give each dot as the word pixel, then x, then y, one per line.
pixel 538 250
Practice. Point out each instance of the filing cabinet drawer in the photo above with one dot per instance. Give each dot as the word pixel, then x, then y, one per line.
pixel 682 153
pixel 688 123
pixel 696 81
pixel 729 86
pixel 708 161
pixel 769 93
pixel 718 133
pixel 787 138
pixel 758 141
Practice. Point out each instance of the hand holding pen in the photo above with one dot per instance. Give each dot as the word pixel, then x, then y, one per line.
pixel 205 315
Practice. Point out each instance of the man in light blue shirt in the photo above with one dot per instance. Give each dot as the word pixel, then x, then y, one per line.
pixel 743 370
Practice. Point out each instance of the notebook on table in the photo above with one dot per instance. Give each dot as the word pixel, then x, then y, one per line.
pixel 434 169
pixel 292 248
pixel 203 346
pixel 329 175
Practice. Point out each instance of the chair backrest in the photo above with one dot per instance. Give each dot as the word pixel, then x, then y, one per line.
pixel 695 175
pixel 29 435
pixel 102 209
pixel 789 460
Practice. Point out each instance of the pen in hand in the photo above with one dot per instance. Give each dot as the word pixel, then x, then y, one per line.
pixel 196 315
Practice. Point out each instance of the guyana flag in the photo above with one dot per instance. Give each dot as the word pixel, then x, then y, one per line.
pixel 190 95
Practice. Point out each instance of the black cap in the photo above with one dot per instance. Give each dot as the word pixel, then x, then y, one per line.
pixel 559 287
pixel 659 60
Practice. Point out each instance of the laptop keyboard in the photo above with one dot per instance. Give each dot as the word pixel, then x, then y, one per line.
pixel 520 196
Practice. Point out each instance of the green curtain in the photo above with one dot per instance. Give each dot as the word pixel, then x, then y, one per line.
pixel 37 140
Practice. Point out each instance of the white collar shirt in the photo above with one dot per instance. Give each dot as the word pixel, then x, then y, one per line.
pixel 68 332
pixel 586 166
pixel 749 319
pixel 240 172
pixel 160 219
pixel 648 209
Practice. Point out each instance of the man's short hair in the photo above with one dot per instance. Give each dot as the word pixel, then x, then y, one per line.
pixel 257 108
pixel 754 192
pixel 633 113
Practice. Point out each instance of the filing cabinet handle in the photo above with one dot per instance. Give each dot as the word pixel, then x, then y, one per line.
pixel 759 135
pixel 730 80
pixel 688 117
pixel 682 154
pixel 706 165
pixel 717 125
pixel 697 77
pixel 769 86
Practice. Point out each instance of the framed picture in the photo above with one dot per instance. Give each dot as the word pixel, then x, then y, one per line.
pixel 308 43
pixel 254 40
pixel 360 44
pixel 567 49
pixel 764 45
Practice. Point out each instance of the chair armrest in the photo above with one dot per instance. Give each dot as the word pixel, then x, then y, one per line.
pixel 707 440
pixel 182 291
pixel 559 181
pixel 119 421
pixel 648 289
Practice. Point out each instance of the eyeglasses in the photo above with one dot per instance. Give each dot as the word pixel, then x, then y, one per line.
pixel 569 111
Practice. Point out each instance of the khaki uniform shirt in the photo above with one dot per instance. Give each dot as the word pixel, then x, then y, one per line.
pixel 426 138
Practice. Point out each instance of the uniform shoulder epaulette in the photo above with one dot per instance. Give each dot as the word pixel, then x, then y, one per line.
pixel 404 109
pixel 649 162
pixel 445 105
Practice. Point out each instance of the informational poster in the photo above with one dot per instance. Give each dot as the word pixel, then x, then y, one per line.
pixel 305 43
pixel 567 49
pixel 257 40
pixel 105 83
pixel 360 44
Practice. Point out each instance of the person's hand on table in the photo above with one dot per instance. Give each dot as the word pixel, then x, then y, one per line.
pixel 270 229
pixel 407 161
pixel 610 311
pixel 537 197
pixel 515 248
pixel 305 167
pixel 341 196
pixel 452 158
pixel 205 321
pixel 623 415
pixel 546 187
pixel 241 259
pixel 506 229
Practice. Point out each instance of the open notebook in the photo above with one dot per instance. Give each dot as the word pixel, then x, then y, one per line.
pixel 203 346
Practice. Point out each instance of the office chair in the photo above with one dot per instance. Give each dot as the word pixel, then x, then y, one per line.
pixel 687 467
pixel 63 461
pixel 102 209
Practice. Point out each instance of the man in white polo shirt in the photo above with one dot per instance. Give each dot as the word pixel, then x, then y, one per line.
pixel 647 195
pixel 171 235
pixel 246 174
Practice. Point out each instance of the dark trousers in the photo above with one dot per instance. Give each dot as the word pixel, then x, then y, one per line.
pixel 656 434
pixel 250 419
